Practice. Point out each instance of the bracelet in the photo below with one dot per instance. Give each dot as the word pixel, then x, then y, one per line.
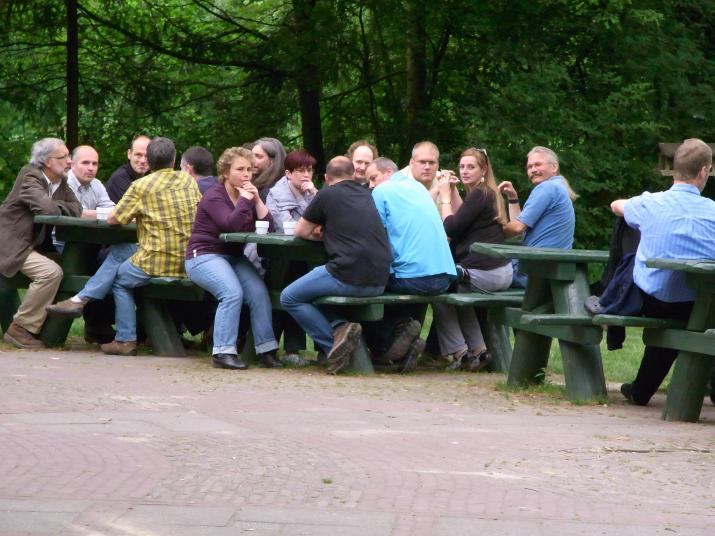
pixel 445 202
pixel 513 201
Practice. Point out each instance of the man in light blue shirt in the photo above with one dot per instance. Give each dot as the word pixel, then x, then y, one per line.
pixel 547 219
pixel 422 262
pixel 680 224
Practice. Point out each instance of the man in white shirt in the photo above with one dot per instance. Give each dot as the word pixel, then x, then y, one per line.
pixel 89 190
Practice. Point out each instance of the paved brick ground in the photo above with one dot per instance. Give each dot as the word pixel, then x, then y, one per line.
pixel 145 446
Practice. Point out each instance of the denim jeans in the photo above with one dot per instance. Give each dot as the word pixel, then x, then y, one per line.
pixel 125 315
pixel 99 285
pixel 231 280
pixel 426 286
pixel 297 298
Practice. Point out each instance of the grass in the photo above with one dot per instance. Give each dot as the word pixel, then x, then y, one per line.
pixel 618 366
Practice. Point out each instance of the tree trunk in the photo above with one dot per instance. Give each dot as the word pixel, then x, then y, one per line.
pixel 72 132
pixel 416 72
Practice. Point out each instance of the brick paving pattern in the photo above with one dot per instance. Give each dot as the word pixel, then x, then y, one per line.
pixel 97 445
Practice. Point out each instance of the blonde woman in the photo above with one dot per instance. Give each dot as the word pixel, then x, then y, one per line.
pixel 477 218
pixel 222 269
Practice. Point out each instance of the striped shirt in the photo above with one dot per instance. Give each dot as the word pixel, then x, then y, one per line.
pixel 164 205
pixel 676 224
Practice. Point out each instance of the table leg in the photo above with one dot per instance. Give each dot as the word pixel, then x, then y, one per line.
pixel 9 302
pixel 360 361
pixel 583 368
pixel 691 372
pixel 531 351
pixel 496 337
pixel 160 328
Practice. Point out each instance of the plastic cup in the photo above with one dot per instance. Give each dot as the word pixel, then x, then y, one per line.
pixel 261 227
pixel 289 227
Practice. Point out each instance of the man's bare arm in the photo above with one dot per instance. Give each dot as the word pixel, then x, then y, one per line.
pixel 308 230
pixel 514 228
pixel 617 207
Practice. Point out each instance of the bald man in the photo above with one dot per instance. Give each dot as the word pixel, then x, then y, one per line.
pixel 343 216
pixel 82 179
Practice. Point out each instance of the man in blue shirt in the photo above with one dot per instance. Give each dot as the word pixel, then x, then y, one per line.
pixel 422 262
pixel 679 224
pixel 547 219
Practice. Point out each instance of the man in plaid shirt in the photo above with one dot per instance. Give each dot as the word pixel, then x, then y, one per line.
pixel 164 205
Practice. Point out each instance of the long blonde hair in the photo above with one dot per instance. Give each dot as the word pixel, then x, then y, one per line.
pixel 489 181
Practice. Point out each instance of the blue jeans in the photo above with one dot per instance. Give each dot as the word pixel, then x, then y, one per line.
pixel 125 315
pixel 519 280
pixel 297 298
pixel 231 280
pixel 428 285
pixel 99 285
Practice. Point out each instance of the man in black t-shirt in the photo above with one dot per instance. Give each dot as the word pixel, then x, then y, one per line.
pixel 344 217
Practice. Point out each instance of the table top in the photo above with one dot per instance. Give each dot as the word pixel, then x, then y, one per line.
pixel 693 266
pixel 268 239
pixel 80 222
pixel 511 251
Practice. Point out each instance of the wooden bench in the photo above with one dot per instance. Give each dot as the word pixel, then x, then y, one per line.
pixel 152 309
pixel 496 333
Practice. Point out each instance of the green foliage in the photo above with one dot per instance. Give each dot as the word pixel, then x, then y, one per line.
pixel 600 82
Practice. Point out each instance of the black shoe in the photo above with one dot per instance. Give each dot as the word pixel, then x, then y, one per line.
pixel 229 361
pixel 413 354
pixel 269 360
pixel 627 391
pixel 475 363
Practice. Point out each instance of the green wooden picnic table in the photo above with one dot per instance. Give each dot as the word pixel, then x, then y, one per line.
pixel 81 237
pixel 696 344
pixel 553 308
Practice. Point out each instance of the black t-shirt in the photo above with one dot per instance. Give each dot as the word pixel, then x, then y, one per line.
pixel 120 181
pixel 356 242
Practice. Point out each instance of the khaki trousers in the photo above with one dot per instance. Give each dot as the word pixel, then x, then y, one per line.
pixel 45 277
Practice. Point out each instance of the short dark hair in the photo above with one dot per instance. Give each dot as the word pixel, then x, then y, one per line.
pixel 200 159
pixel 299 159
pixel 161 153
pixel 340 168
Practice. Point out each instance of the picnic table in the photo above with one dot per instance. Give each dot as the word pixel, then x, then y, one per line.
pixel 81 237
pixel 553 308
pixel 695 343
pixel 281 250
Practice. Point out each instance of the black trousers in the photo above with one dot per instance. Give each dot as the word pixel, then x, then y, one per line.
pixel 656 361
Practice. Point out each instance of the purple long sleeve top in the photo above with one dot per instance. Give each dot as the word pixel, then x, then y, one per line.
pixel 217 214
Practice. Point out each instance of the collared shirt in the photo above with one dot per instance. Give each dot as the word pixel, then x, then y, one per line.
pixel 164 205
pixel 51 186
pixel 676 224
pixel 412 222
pixel 548 213
pixel 92 195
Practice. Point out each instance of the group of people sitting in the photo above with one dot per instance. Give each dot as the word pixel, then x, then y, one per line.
pixel 384 229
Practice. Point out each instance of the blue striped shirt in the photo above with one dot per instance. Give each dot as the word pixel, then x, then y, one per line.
pixel 676 224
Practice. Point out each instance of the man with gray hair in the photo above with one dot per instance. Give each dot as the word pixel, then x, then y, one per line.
pixel 40 188
pixel 547 219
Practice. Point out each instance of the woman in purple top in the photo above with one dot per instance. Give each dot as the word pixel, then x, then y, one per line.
pixel 232 205
pixel 479 218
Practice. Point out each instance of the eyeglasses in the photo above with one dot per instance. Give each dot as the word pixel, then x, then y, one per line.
pixel 63 157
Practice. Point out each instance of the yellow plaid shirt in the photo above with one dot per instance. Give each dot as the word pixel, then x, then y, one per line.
pixel 164 205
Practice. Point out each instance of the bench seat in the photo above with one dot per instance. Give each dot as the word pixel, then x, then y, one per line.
pixel 636 322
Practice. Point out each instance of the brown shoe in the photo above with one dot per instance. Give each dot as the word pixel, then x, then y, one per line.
pixel 120 348
pixel 21 338
pixel 346 337
pixel 66 308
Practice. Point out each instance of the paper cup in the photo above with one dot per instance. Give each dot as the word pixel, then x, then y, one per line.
pixel 261 227
pixel 289 227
